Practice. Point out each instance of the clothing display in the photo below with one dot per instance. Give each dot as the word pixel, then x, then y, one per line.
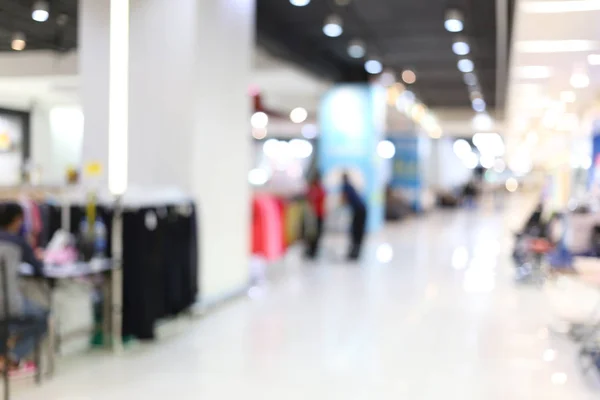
pixel 160 260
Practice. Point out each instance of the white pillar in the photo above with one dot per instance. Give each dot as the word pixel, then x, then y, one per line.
pixel 189 118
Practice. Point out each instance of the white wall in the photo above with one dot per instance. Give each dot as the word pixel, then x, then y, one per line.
pixel 189 113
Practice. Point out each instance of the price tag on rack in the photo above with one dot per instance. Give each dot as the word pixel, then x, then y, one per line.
pixel 93 169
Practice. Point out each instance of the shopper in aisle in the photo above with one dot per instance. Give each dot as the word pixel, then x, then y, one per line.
pixel 359 216
pixel 36 317
pixel 316 208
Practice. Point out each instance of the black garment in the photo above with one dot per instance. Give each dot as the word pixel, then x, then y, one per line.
pixel 160 261
pixel 359 224
pixel 312 245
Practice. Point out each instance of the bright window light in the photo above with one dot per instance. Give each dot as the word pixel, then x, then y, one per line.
pixel 118 97
pixel 386 149
pixel 465 65
pixel 556 46
pixel 533 72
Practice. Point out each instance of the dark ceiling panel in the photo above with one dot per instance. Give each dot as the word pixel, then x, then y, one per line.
pixel 402 33
pixel 15 16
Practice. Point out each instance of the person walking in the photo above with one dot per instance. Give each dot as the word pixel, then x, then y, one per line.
pixel 359 217
pixel 316 201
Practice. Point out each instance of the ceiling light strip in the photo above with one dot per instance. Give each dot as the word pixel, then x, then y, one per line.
pixel 555 7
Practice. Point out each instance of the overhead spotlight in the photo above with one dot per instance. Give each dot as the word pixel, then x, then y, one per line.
pixel 333 26
pixel 373 66
pixel 409 77
pixel 579 80
pixel 470 79
pixel 454 21
pixel 18 42
pixel 40 11
pixel 475 94
pixel 387 79
pixel 299 3
pixel 460 47
pixel 298 115
pixel 465 65
pixel 478 105
pixel 357 48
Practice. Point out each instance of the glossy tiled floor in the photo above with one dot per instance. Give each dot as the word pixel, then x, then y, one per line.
pixel 431 313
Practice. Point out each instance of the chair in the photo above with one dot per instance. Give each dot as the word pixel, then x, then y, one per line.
pixel 9 270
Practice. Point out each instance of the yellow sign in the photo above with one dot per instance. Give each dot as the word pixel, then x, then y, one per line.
pixel 93 169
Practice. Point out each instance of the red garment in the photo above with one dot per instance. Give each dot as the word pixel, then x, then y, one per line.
pixel 316 197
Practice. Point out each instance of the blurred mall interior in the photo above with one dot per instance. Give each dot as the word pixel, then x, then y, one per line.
pixel 194 180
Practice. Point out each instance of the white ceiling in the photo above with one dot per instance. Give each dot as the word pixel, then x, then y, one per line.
pixel 551 42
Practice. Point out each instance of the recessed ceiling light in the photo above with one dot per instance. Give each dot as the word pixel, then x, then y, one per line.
pixel 460 47
pixel 333 26
pixel 409 77
pixel 454 21
pixel 556 46
pixel 478 104
pixel 373 67
pixel 470 79
pixel 356 48
pixel 18 42
pixel 549 7
pixel 594 59
pixel 568 96
pixel 465 65
pixel 300 3
pixel 40 11
pixel 475 95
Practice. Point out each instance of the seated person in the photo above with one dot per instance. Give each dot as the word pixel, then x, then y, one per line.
pixel 23 335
